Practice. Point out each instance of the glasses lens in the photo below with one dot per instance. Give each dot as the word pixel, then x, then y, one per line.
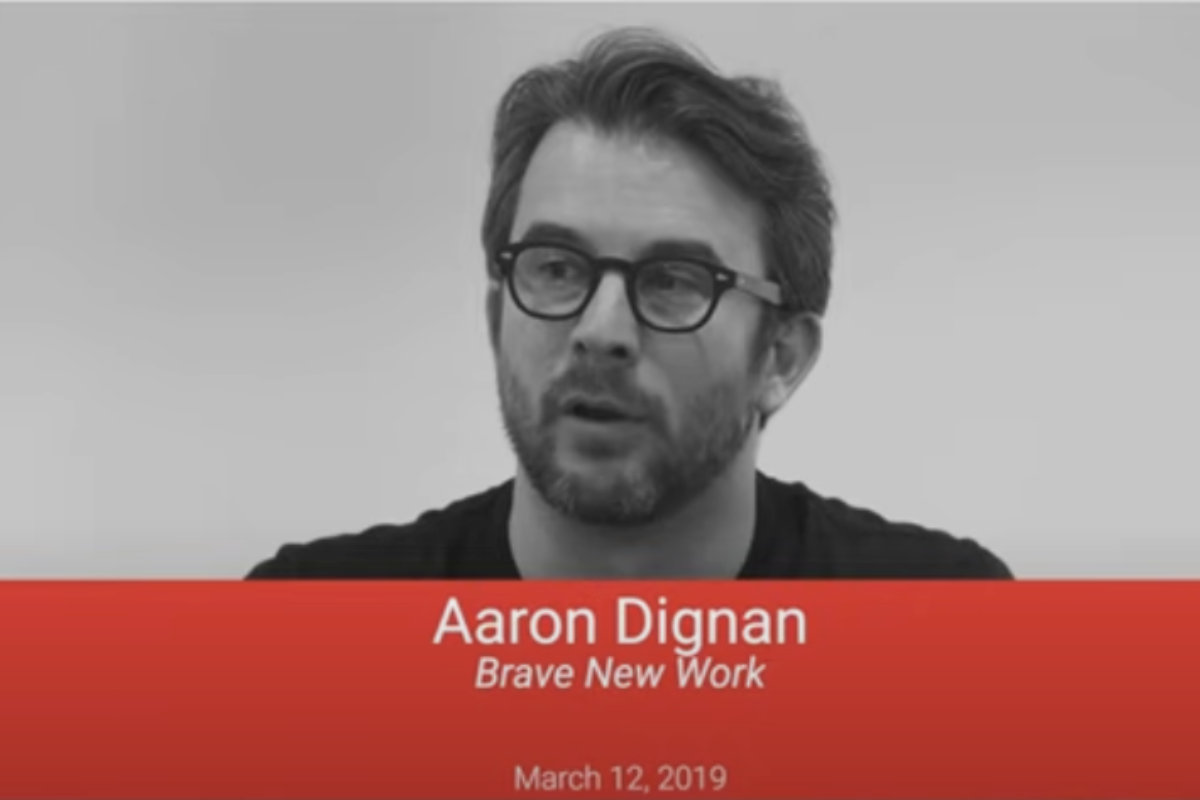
pixel 551 281
pixel 674 294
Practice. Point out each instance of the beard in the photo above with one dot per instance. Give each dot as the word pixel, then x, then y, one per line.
pixel 669 469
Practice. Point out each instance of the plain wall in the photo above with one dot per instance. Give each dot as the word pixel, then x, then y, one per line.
pixel 241 283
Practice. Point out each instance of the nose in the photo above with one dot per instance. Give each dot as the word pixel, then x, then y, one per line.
pixel 607 330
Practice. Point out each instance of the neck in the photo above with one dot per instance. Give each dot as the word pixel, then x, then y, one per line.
pixel 709 537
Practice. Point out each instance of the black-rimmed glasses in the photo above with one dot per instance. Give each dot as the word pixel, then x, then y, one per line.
pixel 672 295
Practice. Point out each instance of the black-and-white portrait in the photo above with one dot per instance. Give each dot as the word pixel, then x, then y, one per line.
pixel 599 291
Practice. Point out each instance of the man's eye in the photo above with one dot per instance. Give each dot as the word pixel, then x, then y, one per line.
pixel 664 282
pixel 557 270
pixel 673 279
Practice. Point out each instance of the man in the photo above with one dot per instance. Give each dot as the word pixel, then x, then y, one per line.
pixel 659 242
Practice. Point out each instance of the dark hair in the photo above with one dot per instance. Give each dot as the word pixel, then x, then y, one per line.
pixel 637 80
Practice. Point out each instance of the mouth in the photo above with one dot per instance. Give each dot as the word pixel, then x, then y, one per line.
pixel 598 411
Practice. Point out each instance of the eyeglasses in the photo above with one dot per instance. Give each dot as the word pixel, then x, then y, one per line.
pixel 672 295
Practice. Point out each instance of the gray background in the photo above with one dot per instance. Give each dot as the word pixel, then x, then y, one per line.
pixel 241 293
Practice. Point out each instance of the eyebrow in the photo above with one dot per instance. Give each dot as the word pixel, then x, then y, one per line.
pixel 551 232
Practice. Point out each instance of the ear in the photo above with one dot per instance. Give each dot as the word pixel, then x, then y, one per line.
pixel 791 354
pixel 494 306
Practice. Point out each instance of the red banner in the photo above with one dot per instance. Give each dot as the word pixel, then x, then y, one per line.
pixel 746 690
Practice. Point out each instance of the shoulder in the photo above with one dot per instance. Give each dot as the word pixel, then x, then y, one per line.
pixel 855 542
pixel 432 546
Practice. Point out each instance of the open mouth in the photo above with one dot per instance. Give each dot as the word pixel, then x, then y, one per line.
pixel 597 412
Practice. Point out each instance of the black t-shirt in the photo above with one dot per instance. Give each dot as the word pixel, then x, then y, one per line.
pixel 797 534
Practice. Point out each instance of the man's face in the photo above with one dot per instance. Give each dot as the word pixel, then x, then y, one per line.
pixel 615 423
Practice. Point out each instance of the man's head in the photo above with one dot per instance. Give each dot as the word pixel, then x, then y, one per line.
pixel 659 240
